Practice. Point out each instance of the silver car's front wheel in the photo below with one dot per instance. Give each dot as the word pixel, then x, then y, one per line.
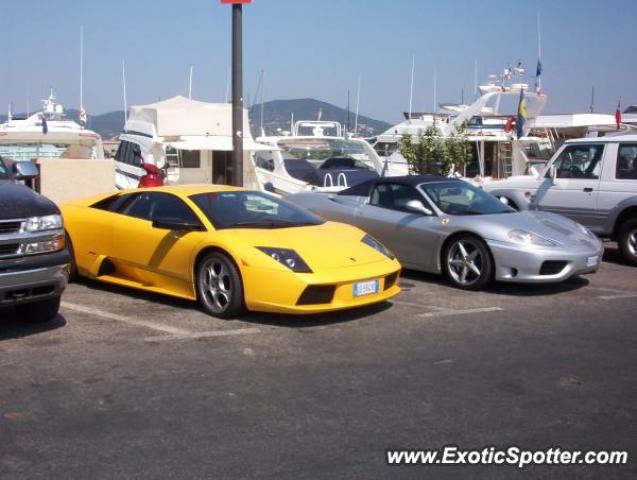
pixel 467 262
pixel 219 286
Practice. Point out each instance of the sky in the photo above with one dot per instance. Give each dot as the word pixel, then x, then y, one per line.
pixel 315 49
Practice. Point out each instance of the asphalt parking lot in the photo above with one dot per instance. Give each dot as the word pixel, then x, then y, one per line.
pixel 129 385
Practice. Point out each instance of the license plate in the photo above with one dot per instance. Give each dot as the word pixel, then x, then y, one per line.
pixel 592 261
pixel 366 288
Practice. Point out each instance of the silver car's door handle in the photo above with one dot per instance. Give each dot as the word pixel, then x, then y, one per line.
pixel 588 189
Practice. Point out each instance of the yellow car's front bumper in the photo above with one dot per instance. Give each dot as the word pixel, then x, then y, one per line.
pixel 272 291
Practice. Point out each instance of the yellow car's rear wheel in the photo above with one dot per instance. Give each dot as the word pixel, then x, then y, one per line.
pixel 219 286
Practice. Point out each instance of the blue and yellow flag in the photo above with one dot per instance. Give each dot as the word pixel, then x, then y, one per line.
pixel 521 115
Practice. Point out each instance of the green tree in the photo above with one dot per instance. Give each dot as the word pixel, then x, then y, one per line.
pixel 432 153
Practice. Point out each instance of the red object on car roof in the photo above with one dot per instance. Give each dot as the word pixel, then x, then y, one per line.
pixel 153 177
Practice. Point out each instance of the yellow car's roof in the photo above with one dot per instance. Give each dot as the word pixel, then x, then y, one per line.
pixel 179 190
pixel 187 190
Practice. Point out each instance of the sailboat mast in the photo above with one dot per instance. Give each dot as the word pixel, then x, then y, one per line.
pixel 124 90
pixel 262 94
pixel 435 90
pixel 411 88
pixel 475 78
pixel 190 84
pixel 81 68
pixel 539 50
pixel 358 104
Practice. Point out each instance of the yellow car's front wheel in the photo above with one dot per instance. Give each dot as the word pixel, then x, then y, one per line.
pixel 219 286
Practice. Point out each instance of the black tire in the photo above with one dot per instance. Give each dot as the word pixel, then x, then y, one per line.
pixel 467 263
pixel 73 275
pixel 219 287
pixel 39 312
pixel 627 240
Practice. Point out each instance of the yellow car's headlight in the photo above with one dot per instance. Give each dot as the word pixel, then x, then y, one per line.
pixel 376 245
pixel 287 257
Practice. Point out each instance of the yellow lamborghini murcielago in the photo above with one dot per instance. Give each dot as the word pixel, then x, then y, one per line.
pixel 228 248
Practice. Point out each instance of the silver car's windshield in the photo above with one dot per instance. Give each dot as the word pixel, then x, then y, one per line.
pixel 461 198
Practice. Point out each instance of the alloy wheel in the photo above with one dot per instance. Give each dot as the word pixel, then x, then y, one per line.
pixel 465 262
pixel 632 242
pixel 217 285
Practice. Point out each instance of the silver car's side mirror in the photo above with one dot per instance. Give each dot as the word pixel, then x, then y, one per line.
pixel 417 206
pixel 553 173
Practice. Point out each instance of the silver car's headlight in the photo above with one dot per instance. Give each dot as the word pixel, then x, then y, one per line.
pixel 586 231
pixel 529 238
pixel 42 224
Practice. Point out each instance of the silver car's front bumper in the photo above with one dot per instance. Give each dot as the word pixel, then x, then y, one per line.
pixel 519 263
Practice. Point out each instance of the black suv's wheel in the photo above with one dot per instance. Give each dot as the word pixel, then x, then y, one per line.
pixel 467 263
pixel 627 240
pixel 219 287
pixel 39 312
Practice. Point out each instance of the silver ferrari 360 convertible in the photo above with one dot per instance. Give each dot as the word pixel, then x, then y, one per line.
pixel 442 225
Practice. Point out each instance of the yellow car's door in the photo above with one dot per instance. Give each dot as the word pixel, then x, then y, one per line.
pixel 159 256
pixel 91 232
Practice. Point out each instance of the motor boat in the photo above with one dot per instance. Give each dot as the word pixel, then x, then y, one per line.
pixel 315 156
pixel 188 140
pixel 48 135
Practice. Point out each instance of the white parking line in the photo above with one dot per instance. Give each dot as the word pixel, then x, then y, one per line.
pixel 420 305
pixel 120 318
pixel 614 293
pixel 217 333
pixel 618 296
pixel 460 312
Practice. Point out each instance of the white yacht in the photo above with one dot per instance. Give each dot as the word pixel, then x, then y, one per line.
pixel 48 135
pixel 497 152
pixel 314 156
pixel 191 141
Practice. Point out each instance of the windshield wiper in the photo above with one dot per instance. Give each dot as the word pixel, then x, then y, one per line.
pixel 264 223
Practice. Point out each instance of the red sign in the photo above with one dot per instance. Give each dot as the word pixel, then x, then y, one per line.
pixel 236 1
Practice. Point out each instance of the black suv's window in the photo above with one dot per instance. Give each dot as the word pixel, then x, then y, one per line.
pixel 4 173
pixel 393 196
pixel 580 161
pixel 154 205
pixel 627 162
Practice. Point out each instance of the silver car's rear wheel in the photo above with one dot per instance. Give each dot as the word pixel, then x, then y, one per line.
pixel 219 286
pixel 467 262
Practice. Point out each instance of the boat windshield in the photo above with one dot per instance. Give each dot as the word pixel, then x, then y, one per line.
pixel 461 198
pixel 32 150
pixel 4 172
pixel 330 153
pixel 247 209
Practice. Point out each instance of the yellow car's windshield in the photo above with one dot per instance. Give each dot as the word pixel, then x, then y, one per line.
pixel 246 209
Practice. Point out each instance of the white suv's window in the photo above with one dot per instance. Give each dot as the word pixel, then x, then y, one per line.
pixel 580 161
pixel 627 162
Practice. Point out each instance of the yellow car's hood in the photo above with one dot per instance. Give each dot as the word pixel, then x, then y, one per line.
pixel 327 246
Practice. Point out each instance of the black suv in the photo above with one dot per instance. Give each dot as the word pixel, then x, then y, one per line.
pixel 34 261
